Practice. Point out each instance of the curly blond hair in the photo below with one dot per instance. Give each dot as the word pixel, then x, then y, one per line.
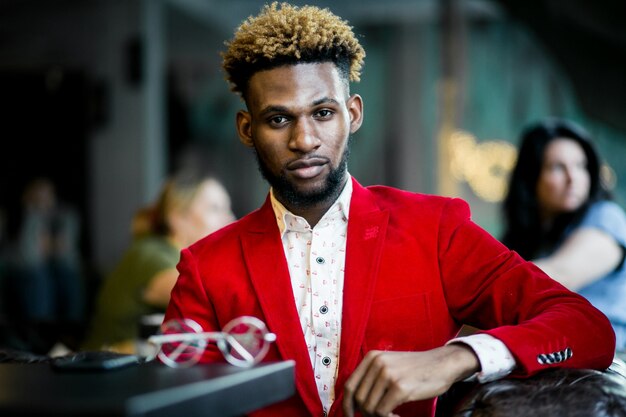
pixel 289 35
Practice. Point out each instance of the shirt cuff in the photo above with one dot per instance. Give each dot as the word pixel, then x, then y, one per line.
pixel 496 360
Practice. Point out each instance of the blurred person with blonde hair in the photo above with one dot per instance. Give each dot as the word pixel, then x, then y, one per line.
pixel 189 207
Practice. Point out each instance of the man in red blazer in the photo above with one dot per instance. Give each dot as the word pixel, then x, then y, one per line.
pixel 365 288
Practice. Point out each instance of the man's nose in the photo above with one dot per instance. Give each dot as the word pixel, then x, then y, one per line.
pixel 304 137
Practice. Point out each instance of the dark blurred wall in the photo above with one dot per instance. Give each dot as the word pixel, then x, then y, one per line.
pixel 74 112
pixel 588 40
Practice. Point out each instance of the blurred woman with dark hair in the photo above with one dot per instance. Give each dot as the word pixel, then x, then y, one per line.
pixel 559 215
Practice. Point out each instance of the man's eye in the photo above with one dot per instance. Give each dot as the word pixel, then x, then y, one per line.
pixel 277 120
pixel 324 114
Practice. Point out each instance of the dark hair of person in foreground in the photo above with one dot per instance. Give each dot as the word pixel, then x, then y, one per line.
pixel 561 392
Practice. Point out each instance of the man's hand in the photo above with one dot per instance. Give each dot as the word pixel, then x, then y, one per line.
pixel 384 380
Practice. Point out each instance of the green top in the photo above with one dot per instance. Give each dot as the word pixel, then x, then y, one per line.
pixel 120 303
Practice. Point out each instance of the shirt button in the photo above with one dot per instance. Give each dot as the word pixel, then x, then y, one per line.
pixel 323 309
pixel 320 260
pixel 326 360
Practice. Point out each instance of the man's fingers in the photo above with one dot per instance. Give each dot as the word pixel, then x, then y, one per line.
pixel 348 408
pixel 371 389
pixel 377 389
pixel 348 401
pixel 394 396
pixel 353 384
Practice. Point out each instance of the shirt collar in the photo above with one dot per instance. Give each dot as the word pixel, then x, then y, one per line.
pixel 289 222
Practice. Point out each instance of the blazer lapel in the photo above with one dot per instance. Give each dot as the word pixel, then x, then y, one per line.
pixel 265 260
pixel 367 226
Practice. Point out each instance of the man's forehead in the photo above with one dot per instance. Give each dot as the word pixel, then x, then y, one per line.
pixel 304 83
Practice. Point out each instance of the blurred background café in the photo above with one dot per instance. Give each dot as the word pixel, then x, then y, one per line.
pixel 101 100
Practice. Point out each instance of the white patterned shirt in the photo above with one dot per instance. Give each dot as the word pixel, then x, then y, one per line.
pixel 316 261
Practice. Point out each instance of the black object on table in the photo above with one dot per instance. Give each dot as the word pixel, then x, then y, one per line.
pixel 148 389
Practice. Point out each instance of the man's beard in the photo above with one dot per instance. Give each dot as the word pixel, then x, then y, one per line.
pixel 329 191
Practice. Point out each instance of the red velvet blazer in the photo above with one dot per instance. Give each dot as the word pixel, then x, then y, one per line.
pixel 416 269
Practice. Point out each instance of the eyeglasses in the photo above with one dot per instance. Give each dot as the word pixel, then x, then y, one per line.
pixel 243 341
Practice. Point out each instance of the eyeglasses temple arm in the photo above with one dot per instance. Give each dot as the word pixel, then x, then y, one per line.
pixel 185 337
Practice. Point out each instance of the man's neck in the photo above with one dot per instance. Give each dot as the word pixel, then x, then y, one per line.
pixel 311 214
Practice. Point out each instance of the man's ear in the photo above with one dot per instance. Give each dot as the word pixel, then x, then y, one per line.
pixel 355 109
pixel 244 128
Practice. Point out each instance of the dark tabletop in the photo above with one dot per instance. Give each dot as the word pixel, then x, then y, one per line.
pixel 149 389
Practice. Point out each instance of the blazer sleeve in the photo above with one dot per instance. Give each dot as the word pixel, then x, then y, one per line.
pixel 542 323
pixel 189 300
